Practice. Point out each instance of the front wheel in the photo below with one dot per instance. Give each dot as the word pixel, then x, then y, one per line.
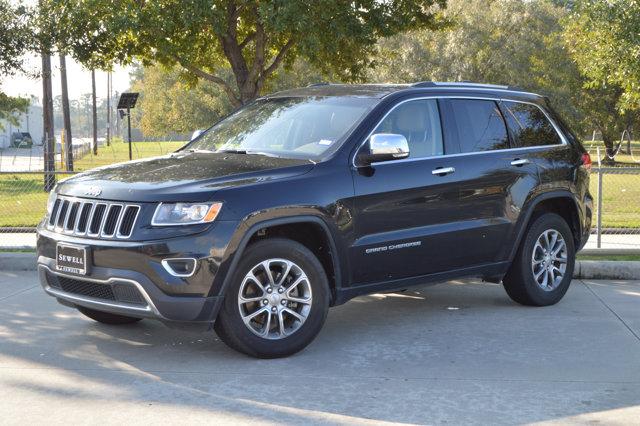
pixel 543 267
pixel 277 301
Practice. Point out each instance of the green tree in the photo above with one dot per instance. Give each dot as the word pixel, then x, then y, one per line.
pixel 170 104
pixel 512 42
pixel 15 39
pixel 585 108
pixel 604 39
pixel 236 44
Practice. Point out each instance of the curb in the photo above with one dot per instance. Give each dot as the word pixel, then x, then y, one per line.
pixel 610 251
pixel 17 261
pixel 584 269
pixel 607 270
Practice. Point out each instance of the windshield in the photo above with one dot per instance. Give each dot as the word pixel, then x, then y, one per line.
pixel 296 127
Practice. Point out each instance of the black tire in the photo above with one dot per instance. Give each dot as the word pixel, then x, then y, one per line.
pixel 520 284
pixel 106 317
pixel 229 325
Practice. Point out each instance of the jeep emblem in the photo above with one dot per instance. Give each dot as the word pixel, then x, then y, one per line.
pixel 93 191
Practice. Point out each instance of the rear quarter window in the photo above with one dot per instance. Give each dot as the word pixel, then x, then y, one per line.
pixel 529 125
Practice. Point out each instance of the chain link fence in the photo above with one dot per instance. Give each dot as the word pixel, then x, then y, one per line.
pixel 23 197
pixel 616 192
pixel 31 159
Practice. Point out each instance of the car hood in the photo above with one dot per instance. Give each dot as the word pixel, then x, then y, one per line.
pixel 181 176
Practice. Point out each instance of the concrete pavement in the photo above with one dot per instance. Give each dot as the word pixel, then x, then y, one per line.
pixel 459 352
pixel 615 241
pixel 18 240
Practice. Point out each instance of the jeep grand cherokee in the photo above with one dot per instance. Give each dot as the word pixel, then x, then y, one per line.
pixel 304 199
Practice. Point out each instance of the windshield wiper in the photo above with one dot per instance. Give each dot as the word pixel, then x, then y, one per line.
pixel 197 150
pixel 248 152
pixel 234 151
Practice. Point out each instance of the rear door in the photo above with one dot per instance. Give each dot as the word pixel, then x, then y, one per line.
pixel 496 179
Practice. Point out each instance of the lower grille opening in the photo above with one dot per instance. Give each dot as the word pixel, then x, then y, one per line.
pixel 116 292
pixel 128 293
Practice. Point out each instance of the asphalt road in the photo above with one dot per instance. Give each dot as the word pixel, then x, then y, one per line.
pixel 454 353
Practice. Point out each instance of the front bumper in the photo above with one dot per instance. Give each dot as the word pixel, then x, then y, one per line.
pixel 128 278
pixel 149 302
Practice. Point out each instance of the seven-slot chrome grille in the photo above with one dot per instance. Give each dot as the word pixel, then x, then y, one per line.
pixel 93 218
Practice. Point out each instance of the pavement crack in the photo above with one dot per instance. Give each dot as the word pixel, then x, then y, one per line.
pixel 611 310
pixel 18 292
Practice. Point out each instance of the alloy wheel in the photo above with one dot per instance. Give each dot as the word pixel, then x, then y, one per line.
pixel 549 260
pixel 275 298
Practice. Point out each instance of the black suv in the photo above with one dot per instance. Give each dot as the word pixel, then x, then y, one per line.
pixel 307 198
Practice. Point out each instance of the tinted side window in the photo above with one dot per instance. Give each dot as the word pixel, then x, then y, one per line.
pixel 529 125
pixel 480 125
pixel 419 122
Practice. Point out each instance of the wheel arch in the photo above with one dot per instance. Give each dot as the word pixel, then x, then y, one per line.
pixel 561 202
pixel 330 259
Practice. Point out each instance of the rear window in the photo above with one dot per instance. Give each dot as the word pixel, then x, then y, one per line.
pixel 529 125
pixel 480 125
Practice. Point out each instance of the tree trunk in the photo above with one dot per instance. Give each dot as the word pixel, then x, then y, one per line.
pixel 607 139
pixel 108 109
pixel 47 119
pixel 629 138
pixel 68 141
pixel 94 112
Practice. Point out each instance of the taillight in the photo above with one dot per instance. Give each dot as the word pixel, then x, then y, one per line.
pixel 586 160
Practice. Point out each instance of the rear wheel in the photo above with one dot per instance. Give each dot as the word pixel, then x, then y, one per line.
pixel 106 317
pixel 277 301
pixel 543 267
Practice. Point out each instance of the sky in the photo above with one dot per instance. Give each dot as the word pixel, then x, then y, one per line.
pixel 78 78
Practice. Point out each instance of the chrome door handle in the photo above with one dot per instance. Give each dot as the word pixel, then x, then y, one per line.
pixel 520 162
pixel 441 171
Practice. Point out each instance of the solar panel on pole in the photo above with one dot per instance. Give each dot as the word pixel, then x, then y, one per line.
pixel 127 101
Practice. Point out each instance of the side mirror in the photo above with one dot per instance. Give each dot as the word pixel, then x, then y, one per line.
pixel 384 147
pixel 196 134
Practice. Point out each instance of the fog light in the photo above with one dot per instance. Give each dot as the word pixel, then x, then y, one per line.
pixel 180 267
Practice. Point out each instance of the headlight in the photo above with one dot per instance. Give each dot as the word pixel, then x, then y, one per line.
pixel 51 200
pixel 185 213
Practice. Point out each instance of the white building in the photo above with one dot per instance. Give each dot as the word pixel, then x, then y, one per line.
pixel 29 122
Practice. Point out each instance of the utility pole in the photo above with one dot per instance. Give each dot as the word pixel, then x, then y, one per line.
pixel 47 120
pixel 66 116
pixel 109 108
pixel 118 118
pixel 94 112
pixel 87 114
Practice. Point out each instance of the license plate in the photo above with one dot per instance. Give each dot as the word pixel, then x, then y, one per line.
pixel 70 258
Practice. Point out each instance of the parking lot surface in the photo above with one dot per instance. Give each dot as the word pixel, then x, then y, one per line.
pixel 454 353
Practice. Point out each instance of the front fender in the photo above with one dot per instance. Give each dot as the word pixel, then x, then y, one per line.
pixel 250 225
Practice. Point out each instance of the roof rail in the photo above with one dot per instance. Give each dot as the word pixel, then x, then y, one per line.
pixel 464 84
pixel 322 83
